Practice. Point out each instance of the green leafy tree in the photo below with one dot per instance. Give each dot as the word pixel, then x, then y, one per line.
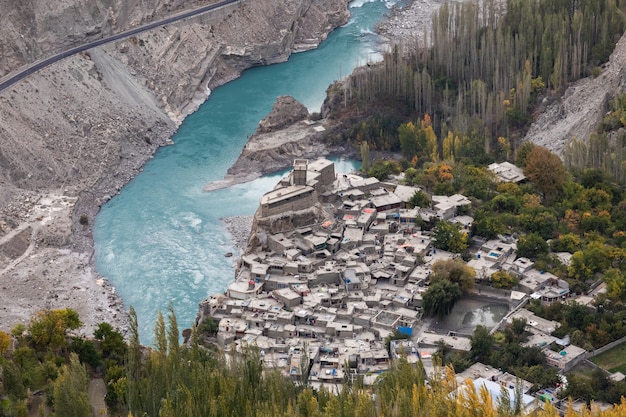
pixel 419 199
pixel 505 203
pixel 567 242
pixel 365 156
pixel 586 263
pixel 531 246
pixel 482 344
pixel 518 326
pixel 86 351
pixel 381 169
pixel 448 236
pixel 487 225
pixel 208 327
pixel 12 380
pixel 615 284
pixel 407 134
pixel 522 153
pixel 540 221
pixel 441 297
pixel 112 343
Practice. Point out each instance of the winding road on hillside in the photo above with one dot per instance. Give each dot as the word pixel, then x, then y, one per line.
pixel 25 71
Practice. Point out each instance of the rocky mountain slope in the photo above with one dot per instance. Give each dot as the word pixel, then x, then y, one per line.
pixel 579 111
pixel 74 133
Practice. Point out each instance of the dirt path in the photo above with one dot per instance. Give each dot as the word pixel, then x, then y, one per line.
pixel 97 390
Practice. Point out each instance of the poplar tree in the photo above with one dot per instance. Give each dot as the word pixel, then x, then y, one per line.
pixel 70 390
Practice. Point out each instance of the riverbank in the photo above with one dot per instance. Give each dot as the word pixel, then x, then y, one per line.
pixel 239 229
pixel 410 24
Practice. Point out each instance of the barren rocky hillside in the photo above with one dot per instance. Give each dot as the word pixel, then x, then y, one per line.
pixel 74 133
pixel 579 111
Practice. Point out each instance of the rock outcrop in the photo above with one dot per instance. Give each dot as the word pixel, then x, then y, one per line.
pixel 286 133
pixel 286 111
pixel 82 128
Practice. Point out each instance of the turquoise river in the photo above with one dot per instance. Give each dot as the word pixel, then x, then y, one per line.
pixel 160 240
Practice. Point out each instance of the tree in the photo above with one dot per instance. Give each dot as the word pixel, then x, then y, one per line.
pixel 381 169
pixel 441 297
pixel 522 153
pixel 70 390
pixel 208 327
pixel 448 236
pixel 586 263
pixel 159 336
pixel 12 380
pixel 443 353
pixel 615 284
pixel 567 242
pixel 111 342
pixel 49 327
pixel 407 134
pixel 482 343
pixel 455 271
pixel 365 156
pixel 86 351
pixel 419 199
pixel 518 326
pixel 531 246
pixel 5 342
pixel 487 225
pixel 502 279
pixel 173 335
pixel 546 171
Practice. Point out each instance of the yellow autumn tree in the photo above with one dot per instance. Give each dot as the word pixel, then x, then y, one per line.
pixel 448 147
pixel 5 342
pixel 431 143
pixel 504 146
pixel 444 173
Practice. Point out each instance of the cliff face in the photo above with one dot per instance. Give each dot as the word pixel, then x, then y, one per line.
pixel 81 129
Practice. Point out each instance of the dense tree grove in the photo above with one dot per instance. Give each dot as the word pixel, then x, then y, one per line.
pixel 475 81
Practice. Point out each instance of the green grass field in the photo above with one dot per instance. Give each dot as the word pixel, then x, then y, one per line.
pixel 613 360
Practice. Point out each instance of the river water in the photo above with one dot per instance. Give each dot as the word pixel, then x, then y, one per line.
pixel 161 241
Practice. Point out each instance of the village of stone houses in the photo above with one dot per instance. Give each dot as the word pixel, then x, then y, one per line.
pixel 330 287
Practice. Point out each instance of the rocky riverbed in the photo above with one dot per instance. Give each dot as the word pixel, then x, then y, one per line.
pixel 239 229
